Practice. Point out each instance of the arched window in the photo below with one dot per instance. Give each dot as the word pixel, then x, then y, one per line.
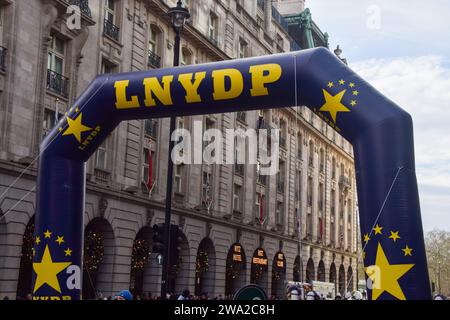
pixel 311 153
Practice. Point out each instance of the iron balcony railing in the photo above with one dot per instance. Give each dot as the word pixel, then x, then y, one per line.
pixel 57 83
pixel 3 52
pixel 83 5
pixel 111 30
pixel 154 60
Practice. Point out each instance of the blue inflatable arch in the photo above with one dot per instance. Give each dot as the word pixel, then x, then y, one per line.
pixel 381 134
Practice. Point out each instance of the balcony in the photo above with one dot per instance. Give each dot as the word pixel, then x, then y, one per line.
pixel 151 128
pixel 3 52
pixel 101 175
pixel 239 169
pixel 241 116
pixel 154 60
pixel 57 83
pixel 111 30
pixel 83 5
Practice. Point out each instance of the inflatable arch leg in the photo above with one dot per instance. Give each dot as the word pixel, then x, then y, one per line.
pixel 380 132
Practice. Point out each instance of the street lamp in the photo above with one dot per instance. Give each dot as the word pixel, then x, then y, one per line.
pixel 178 15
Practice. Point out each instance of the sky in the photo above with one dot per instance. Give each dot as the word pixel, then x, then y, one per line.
pixel 402 48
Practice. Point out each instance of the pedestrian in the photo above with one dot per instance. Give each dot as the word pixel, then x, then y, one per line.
pixel 124 295
pixel 184 295
pixel 310 293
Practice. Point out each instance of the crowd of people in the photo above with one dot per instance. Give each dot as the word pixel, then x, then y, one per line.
pixel 306 292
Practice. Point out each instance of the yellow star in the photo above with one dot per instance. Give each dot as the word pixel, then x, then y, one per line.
pixel 355 93
pixel 352 85
pixel 38 240
pixel 330 84
pixel 377 229
pixel 366 238
pixel 353 103
pixel 47 271
pixel 385 276
pixel 333 104
pixel 76 127
pixel 394 236
pixel 47 234
pixel 68 252
pixel 407 251
pixel 342 82
pixel 60 240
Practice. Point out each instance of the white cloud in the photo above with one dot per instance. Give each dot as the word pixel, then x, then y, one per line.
pixel 421 85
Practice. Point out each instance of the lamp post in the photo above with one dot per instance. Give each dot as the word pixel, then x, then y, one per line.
pixel 178 16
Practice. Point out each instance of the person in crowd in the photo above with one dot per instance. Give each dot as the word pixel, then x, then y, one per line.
pixel 124 295
pixel 356 295
pixel 310 293
pixel 338 296
pixel 184 295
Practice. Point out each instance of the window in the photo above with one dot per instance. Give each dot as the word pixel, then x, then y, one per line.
pixel 311 153
pixel 151 128
pixel 322 161
pixel 100 157
pixel 109 11
pixel 279 217
pixel 178 170
pixel 237 196
pixel 259 206
pixel 333 168
pixel 299 146
pixel 186 57
pixel 281 177
pixel 207 187
pixel 110 25
pixel 243 48
pixel 49 121
pixel 56 82
pixel 56 55
pixel 283 135
pixel 280 43
pixel 310 191
pixel 154 38
pixel 213 27
pixel 321 197
pixel 107 67
pixel 309 226
pixel 298 186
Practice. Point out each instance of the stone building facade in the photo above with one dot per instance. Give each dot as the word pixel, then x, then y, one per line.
pixel 45 64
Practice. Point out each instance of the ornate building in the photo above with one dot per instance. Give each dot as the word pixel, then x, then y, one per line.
pixel 223 244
